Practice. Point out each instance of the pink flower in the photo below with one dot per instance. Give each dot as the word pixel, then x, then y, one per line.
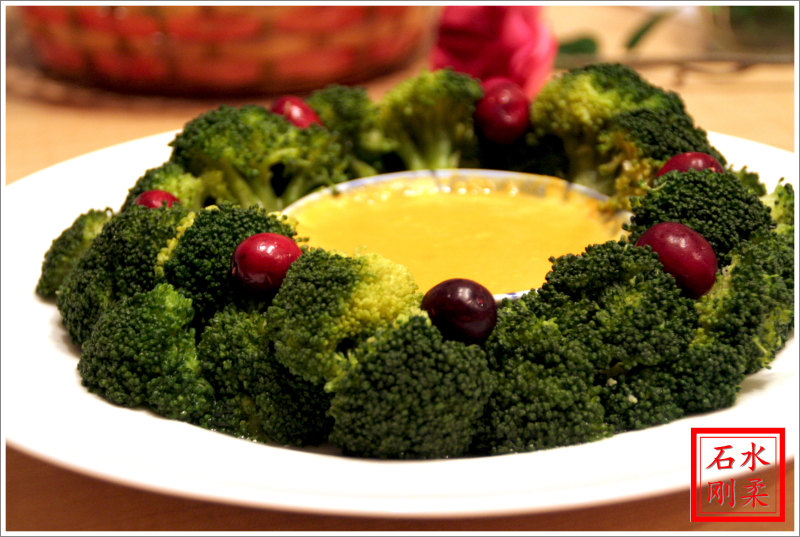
pixel 496 41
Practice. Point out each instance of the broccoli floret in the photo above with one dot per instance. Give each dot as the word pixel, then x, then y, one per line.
pixel 429 119
pixel 536 408
pixel 197 259
pixel 173 178
pixel 741 324
pixel 716 205
pixel 613 128
pixel 352 115
pixel 634 146
pixel 632 318
pixel 635 311
pixel 410 394
pixel 251 156
pixel 581 357
pixel 640 398
pixel 343 109
pixel 750 179
pixel 577 104
pixel 545 395
pixel 781 205
pixel 142 354
pixel 751 305
pixel 328 302
pixel 709 375
pixel 65 250
pixel 256 397
pixel 119 262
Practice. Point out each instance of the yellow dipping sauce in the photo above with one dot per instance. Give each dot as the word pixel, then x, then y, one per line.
pixel 498 233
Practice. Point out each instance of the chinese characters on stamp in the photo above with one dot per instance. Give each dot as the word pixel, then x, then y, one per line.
pixel 738 474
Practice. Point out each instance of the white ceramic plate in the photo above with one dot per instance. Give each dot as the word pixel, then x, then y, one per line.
pixel 46 412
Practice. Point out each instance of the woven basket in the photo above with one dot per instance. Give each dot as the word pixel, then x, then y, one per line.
pixel 203 50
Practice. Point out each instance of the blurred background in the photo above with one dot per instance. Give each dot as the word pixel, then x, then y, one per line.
pixel 134 70
pixel 223 50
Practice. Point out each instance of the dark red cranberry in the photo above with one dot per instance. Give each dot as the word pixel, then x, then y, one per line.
pixel 502 115
pixel 462 310
pixel 685 254
pixel 691 161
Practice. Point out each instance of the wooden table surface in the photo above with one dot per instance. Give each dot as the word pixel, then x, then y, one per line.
pixel 48 121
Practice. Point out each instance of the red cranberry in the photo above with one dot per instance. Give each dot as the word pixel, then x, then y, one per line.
pixel 153 199
pixel 685 254
pixel 295 110
pixel 502 115
pixel 462 310
pixel 691 161
pixel 260 261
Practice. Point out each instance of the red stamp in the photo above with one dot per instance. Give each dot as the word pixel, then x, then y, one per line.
pixel 738 474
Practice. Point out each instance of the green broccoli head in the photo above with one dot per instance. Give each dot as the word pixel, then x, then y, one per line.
pixel 625 307
pixel 173 178
pixel 634 146
pixel 349 112
pixel 536 408
pixel 251 156
pixel 610 129
pixel 119 262
pixel 709 375
pixel 530 329
pixel 751 305
pixel 257 397
pixel 750 179
pixel 739 326
pixel 781 205
pixel 65 250
pixel 343 109
pixel 544 374
pixel 632 318
pixel 328 302
pixel 142 354
pixel 410 394
pixel 197 260
pixel 640 398
pixel 706 377
pixel 716 205
pixel 581 357
pixel 428 119
pixel 599 125
pixel 576 105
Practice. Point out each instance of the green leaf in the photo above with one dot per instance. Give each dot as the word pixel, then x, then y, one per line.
pixel 645 28
pixel 581 45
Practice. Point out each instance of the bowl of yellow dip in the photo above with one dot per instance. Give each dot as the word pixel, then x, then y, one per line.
pixel 497 228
